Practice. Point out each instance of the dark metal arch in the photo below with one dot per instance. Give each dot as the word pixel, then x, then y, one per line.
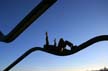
pixel 27 21
pixel 58 53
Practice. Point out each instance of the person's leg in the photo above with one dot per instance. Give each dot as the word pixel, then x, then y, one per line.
pixel 71 45
pixel 47 41
pixel 68 43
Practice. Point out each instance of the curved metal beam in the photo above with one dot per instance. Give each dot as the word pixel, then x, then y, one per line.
pixel 22 57
pixel 27 21
pixel 58 53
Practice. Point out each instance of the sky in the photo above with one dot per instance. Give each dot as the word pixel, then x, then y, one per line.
pixel 74 20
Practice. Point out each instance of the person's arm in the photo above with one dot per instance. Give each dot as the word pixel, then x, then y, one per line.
pixel 55 42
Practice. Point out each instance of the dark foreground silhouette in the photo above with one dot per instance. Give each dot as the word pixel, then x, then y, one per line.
pixel 27 21
pixel 61 45
pixel 60 49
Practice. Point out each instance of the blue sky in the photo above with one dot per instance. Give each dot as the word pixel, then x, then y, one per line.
pixel 73 20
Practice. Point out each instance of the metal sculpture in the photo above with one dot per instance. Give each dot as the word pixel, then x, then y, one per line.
pixel 27 21
pixel 59 51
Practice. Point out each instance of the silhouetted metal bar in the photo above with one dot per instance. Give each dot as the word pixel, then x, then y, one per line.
pixel 22 57
pixel 54 52
pixel 27 21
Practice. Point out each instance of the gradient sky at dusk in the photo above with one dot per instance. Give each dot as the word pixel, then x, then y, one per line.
pixel 73 20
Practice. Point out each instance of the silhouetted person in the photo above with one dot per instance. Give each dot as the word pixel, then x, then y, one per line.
pixel 61 45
